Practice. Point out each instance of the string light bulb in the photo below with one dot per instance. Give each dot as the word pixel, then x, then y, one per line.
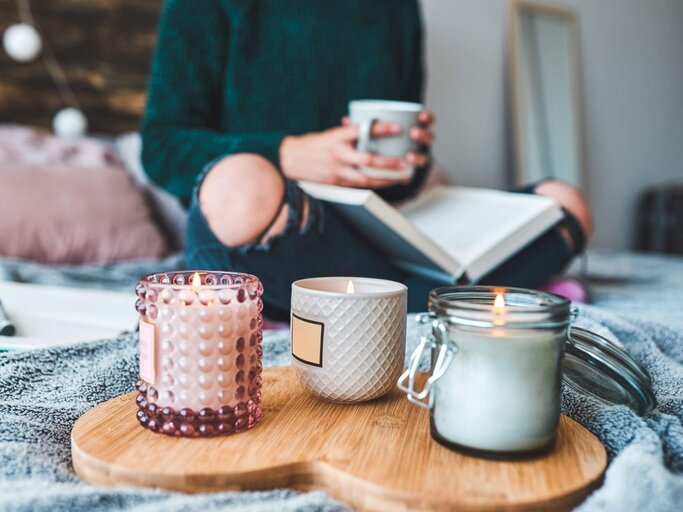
pixel 22 42
pixel 69 123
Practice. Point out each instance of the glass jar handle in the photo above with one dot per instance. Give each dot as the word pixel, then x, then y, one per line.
pixel 446 352
pixel 414 361
pixel 573 315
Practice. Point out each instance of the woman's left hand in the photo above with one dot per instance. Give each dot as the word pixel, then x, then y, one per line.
pixel 423 135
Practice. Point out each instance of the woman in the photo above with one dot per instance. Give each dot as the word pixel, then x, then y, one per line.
pixel 246 96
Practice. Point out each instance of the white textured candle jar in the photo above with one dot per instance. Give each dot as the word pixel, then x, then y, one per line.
pixel 496 368
pixel 348 336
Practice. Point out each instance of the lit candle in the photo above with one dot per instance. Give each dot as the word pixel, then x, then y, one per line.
pixel 348 336
pixel 200 352
pixel 350 288
pixel 500 390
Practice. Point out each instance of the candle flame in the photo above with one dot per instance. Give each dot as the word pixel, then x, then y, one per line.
pixel 498 310
pixel 499 304
pixel 196 282
pixel 350 288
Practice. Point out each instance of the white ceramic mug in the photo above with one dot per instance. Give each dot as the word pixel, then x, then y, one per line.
pixel 365 113
pixel 348 346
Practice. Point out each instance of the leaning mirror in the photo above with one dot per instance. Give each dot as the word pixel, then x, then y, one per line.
pixel 546 99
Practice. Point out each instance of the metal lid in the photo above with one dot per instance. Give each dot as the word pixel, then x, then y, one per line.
pixel 599 368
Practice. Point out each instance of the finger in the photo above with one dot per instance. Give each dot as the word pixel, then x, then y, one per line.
pixel 347 133
pixel 386 162
pixel 350 132
pixel 345 121
pixel 350 177
pixel 426 118
pixel 379 183
pixel 385 129
pixel 417 159
pixel 422 135
pixel 350 157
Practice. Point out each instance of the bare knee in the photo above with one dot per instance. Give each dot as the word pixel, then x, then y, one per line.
pixel 240 197
pixel 570 198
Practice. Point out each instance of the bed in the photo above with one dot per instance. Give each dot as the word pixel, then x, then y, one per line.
pixel 637 301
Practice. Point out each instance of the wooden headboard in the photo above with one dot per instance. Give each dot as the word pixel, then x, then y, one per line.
pixel 104 48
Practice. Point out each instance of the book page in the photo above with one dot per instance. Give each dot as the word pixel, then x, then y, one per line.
pixel 454 230
pixel 391 232
pixel 469 223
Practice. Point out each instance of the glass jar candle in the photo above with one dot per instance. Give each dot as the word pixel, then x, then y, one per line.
pixel 200 352
pixel 496 368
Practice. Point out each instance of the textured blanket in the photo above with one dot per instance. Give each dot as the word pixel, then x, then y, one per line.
pixel 638 302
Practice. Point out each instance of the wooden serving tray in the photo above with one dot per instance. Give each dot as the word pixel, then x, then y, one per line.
pixel 375 456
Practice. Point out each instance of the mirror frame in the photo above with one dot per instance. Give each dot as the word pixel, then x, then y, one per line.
pixel 519 137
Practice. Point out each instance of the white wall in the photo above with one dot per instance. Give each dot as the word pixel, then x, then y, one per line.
pixel 632 53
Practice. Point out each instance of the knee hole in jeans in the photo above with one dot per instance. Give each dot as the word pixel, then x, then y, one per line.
pixel 280 222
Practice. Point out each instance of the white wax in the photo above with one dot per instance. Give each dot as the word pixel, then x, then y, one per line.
pixel 363 286
pixel 501 391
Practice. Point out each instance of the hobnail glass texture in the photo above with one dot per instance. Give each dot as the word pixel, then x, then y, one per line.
pixel 207 353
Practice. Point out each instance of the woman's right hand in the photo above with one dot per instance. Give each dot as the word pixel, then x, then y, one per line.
pixel 330 157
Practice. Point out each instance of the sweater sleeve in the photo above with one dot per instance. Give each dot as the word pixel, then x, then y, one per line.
pixel 414 86
pixel 180 131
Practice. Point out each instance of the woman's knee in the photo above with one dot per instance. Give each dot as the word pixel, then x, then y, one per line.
pixel 570 198
pixel 240 197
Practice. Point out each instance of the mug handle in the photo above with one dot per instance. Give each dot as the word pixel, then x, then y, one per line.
pixel 365 141
pixel 447 351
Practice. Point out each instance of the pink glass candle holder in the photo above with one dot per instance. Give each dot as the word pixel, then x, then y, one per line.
pixel 200 352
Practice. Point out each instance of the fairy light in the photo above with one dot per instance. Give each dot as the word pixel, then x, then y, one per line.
pixel 69 121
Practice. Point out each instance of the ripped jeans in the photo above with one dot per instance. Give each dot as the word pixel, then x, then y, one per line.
pixel 327 246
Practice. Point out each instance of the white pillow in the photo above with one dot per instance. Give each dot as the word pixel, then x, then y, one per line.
pixel 170 212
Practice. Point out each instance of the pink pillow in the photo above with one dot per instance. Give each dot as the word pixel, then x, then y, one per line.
pixel 62 213
pixel 25 144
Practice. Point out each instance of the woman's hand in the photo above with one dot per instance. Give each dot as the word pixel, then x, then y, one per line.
pixel 330 156
pixel 423 135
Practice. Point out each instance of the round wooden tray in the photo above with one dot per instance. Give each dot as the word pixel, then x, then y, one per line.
pixel 376 456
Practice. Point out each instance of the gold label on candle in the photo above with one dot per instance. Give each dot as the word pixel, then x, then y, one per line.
pixel 147 352
pixel 307 340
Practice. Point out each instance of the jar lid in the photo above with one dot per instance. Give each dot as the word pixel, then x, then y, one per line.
pixel 597 367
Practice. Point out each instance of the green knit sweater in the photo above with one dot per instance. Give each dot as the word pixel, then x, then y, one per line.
pixel 236 76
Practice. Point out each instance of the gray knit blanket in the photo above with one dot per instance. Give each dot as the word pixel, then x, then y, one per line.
pixel 637 301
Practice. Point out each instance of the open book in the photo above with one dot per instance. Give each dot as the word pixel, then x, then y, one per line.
pixel 448 234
